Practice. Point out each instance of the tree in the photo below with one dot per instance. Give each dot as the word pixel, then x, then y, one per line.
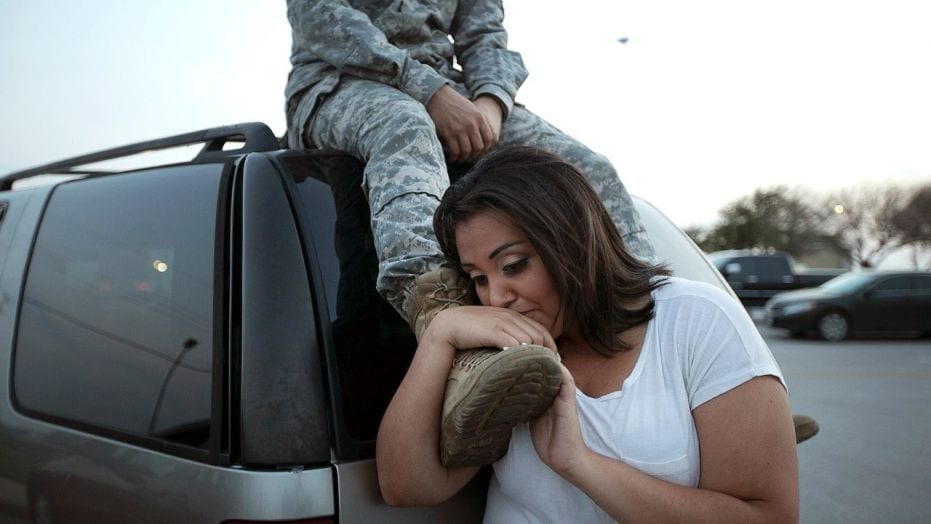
pixel 913 225
pixel 863 222
pixel 698 234
pixel 776 217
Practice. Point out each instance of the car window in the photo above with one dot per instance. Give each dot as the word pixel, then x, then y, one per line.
pixel 893 284
pixel 747 265
pixel 733 268
pixel 772 266
pixel 846 282
pixel 116 328
pixel 922 283
pixel 373 344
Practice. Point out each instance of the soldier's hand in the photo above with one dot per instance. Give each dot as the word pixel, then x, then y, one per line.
pixel 490 107
pixel 461 126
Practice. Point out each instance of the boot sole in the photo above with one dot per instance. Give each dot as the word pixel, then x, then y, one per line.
pixel 805 431
pixel 516 387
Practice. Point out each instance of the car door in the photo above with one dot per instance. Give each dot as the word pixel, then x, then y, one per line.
pixel 775 274
pixel 920 314
pixel 884 306
pixel 118 407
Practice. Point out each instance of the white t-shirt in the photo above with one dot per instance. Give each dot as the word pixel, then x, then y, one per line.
pixel 700 344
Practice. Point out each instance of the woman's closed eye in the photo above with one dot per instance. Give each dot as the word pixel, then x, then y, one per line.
pixel 509 269
pixel 515 267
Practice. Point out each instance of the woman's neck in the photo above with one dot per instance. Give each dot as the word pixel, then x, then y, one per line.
pixel 596 374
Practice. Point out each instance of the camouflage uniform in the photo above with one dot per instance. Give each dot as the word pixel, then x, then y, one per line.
pixel 363 72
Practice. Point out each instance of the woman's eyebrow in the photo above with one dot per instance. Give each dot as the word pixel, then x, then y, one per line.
pixel 502 247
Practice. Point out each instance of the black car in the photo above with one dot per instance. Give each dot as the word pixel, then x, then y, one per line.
pixel 861 302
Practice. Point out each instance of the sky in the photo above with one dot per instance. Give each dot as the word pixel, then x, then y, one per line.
pixel 705 102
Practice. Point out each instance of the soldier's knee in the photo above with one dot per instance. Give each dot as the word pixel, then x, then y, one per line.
pixel 602 165
pixel 597 168
pixel 404 117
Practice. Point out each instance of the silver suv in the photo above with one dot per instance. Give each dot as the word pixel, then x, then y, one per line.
pixel 202 341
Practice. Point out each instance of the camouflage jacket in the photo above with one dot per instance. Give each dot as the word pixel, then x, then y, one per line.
pixel 407 44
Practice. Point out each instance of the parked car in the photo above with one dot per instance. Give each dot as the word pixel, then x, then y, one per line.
pixel 756 275
pixel 202 341
pixel 867 302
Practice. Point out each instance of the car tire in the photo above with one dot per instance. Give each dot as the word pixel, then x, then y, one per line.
pixel 833 326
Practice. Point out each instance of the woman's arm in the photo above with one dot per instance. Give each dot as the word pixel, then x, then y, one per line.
pixel 749 470
pixel 407 449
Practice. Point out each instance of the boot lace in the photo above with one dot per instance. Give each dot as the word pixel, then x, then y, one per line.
pixel 448 296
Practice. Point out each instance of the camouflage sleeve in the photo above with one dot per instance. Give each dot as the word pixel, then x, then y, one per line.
pixel 481 49
pixel 340 35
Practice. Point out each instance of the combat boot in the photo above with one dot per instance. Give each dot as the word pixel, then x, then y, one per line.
pixel 434 292
pixel 805 427
pixel 488 391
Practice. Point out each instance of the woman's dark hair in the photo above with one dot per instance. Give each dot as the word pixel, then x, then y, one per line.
pixel 596 277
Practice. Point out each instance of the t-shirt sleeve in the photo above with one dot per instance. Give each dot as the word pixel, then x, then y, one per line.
pixel 723 349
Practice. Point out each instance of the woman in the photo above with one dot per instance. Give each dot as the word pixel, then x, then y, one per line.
pixel 671 408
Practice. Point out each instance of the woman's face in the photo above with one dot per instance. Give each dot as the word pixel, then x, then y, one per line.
pixel 506 269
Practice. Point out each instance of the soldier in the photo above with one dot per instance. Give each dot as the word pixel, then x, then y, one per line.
pixel 377 80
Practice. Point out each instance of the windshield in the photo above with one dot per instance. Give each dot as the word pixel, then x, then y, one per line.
pixel 846 283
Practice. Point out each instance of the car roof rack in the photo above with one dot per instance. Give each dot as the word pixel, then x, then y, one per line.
pixel 255 136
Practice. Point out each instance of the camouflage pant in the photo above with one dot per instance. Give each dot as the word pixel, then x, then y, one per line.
pixel 405 173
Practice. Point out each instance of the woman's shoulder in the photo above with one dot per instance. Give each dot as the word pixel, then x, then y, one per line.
pixel 695 300
pixel 671 288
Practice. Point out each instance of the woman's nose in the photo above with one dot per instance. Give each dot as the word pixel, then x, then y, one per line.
pixel 500 293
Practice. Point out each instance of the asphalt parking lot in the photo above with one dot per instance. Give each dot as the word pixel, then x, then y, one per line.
pixel 871 461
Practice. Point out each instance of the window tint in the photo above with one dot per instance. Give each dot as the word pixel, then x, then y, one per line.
pixel 116 324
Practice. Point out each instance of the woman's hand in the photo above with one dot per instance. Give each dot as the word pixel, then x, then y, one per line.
pixel 409 468
pixel 468 327
pixel 556 435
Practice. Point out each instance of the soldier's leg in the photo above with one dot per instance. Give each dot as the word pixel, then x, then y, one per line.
pixel 404 179
pixel 523 128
